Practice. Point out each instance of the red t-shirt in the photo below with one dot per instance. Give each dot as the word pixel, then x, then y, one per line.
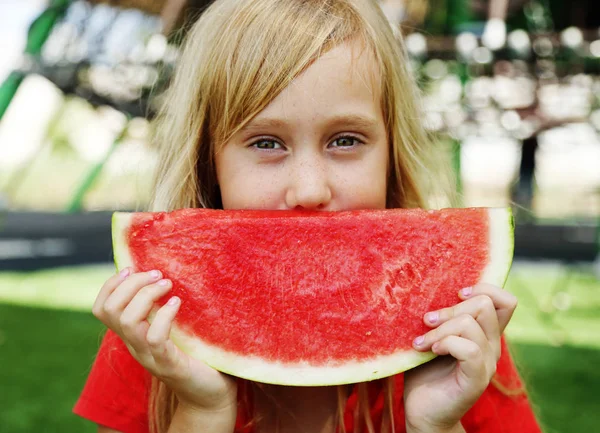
pixel 116 396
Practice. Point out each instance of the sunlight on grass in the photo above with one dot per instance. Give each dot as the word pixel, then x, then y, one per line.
pixel 557 305
pixel 73 288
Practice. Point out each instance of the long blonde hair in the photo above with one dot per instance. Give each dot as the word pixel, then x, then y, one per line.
pixel 238 56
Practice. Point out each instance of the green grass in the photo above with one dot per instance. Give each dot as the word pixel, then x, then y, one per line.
pixel 46 352
pixel 72 288
pixel 563 385
pixel 557 306
pixel 45 357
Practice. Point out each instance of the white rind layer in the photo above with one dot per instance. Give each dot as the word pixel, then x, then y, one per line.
pixel 298 374
pixel 120 224
pixel 501 246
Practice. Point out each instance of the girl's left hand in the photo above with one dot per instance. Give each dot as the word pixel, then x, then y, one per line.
pixel 437 394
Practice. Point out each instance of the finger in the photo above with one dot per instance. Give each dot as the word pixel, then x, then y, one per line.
pixel 117 301
pixel 137 311
pixel 470 357
pixel 106 290
pixel 505 302
pixel 481 308
pixel 161 347
pixel 464 326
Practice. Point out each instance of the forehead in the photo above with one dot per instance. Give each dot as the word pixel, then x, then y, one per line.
pixel 345 77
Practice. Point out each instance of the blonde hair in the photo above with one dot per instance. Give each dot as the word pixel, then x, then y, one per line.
pixel 237 57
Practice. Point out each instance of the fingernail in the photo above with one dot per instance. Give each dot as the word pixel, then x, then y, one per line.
pixel 173 301
pixel 432 317
pixel 419 340
pixel 434 346
pixel 155 274
pixel 163 283
pixel 124 272
pixel 467 291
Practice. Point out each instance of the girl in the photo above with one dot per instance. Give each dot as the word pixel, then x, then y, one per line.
pixel 296 104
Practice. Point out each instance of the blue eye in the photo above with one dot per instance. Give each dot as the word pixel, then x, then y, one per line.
pixel 267 145
pixel 346 141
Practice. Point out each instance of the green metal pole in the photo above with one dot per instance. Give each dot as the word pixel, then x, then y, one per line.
pixel 9 89
pixel 76 203
pixel 36 37
pixel 456 162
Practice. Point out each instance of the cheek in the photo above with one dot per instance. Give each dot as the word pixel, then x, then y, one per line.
pixel 373 180
pixel 362 186
pixel 368 189
pixel 247 188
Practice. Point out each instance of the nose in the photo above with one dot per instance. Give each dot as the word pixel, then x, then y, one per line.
pixel 309 187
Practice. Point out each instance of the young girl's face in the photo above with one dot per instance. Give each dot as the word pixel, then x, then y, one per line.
pixel 321 144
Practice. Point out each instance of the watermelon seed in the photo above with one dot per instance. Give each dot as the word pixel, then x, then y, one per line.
pixel 369 333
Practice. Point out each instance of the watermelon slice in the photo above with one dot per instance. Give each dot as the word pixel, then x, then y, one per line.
pixel 313 298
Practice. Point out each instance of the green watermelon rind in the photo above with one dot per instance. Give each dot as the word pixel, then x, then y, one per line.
pixel 501 241
pixel 299 374
pixel 120 227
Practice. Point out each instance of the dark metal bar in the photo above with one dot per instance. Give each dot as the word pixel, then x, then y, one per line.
pixel 36 240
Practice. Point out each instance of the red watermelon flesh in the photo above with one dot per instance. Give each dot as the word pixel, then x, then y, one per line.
pixel 313 298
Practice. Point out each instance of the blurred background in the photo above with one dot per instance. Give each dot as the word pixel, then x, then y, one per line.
pixel 512 94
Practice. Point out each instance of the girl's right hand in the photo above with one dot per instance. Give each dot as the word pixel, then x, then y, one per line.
pixel 124 303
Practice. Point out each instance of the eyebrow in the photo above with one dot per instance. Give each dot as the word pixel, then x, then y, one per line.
pixel 353 120
pixel 266 122
pixel 359 121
